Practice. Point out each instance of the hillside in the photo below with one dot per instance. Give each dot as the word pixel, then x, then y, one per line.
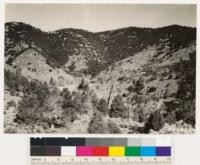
pixel 92 51
pixel 129 80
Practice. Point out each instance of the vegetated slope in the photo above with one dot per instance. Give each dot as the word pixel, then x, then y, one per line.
pixel 125 42
pixel 57 47
pixel 151 81
pixel 149 64
pixel 145 76
pixel 93 51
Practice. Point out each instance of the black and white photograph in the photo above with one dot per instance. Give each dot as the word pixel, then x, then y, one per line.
pixel 100 68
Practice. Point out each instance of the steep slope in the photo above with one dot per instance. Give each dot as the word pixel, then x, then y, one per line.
pixel 125 42
pixel 54 80
pixel 76 46
pixel 81 51
pixel 33 65
pixel 142 64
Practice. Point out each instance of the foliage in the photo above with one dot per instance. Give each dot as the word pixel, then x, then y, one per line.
pixel 136 86
pixel 34 95
pixel 187 89
pixel 186 112
pixel 102 106
pixel 42 92
pixel 155 121
pixel 170 117
pixel 139 113
pixel 112 127
pixel 94 99
pixel 52 82
pixel 26 110
pixel 20 83
pixel 187 73
pixel 131 40
pixel 73 103
pixel 10 129
pixel 72 67
pixel 52 45
pixel 83 86
pixel 96 124
pixel 118 108
pixel 11 104
pixel 67 99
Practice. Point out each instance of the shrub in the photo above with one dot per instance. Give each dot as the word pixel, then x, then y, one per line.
pixel 12 81
pixel 26 110
pixel 10 129
pixel 11 104
pixel 170 117
pixel 139 114
pixel 151 89
pixel 52 82
pixel 112 127
pixel 72 67
pixel 72 103
pixel 16 82
pixel 155 121
pixel 96 124
pixel 118 108
pixel 186 112
pixel 102 106
pixel 83 86
pixel 67 99
pixel 131 88
pixel 136 86
pixel 42 91
pixel 70 114
pixel 79 102
pixel 94 99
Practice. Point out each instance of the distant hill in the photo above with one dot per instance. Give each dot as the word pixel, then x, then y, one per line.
pixel 67 47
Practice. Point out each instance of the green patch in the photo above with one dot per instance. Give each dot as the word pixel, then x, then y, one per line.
pixel 132 151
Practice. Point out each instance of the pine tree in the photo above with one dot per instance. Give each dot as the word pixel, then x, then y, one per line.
pixel 67 99
pixel 138 84
pixel 102 106
pixel 118 108
pixel 96 124
pixel 155 121
pixel 52 82
pixel 83 86
pixel 72 67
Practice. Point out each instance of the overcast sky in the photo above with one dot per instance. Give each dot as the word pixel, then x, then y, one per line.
pixel 100 17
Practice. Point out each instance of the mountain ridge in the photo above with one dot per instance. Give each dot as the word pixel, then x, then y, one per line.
pixel 98 49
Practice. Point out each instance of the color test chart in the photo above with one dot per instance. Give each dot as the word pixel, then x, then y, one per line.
pixel 104 151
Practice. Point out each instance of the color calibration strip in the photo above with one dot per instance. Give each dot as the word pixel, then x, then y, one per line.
pixel 100 151
pixel 103 147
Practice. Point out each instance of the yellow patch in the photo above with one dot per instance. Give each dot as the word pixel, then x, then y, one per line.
pixel 116 151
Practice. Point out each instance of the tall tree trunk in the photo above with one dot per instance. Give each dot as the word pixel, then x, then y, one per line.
pixel 109 96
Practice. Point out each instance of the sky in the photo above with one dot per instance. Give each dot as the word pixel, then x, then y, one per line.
pixel 99 17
